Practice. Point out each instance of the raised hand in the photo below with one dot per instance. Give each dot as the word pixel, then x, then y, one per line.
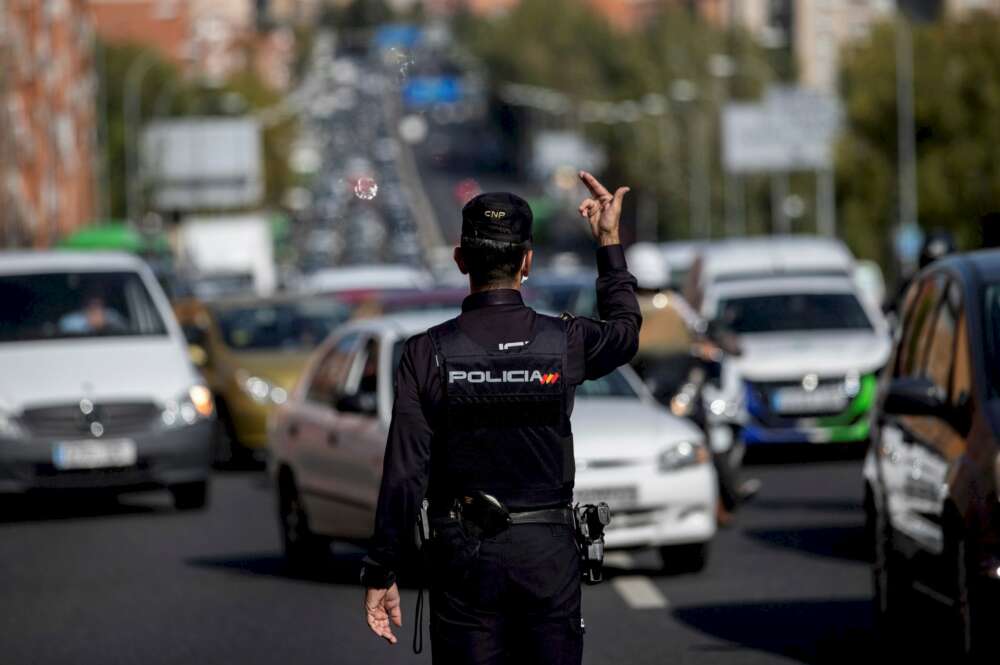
pixel 602 209
pixel 381 606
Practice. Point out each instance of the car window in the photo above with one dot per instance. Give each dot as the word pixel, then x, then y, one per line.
pixel 961 378
pixel 991 336
pixel 941 349
pixel 332 373
pixel 76 304
pixel 368 382
pixel 917 327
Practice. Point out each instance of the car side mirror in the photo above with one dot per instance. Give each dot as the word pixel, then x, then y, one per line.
pixel 195 335
pixel 361 403
pixel 915 397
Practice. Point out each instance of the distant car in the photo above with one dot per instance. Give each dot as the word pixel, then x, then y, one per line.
pixel 328 441
pixel 251 352
pixel 97 390
pixel 932 473
pixel 810 345
pixel 366 277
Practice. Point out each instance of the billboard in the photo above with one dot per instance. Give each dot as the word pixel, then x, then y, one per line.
pixel 203 163
pixel 792 129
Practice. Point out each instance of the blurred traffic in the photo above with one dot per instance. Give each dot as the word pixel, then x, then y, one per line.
pixel 215 246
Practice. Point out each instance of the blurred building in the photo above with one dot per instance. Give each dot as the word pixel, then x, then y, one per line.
pixel 47 120
pixel 816 30
pixel 211 38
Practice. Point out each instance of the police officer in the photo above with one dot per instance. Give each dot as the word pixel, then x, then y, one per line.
pixel 481 428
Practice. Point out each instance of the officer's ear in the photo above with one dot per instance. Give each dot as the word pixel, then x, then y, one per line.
pixel 526 262
pixel 460 261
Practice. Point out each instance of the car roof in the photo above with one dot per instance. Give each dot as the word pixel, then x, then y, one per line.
pixel 403 324
pixel 34 262
pixel 372 276
pixel 739 258
pixel 279 298
pixel 784 284
pixel 983 263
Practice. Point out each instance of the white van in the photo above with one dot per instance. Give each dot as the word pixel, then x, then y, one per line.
pixel 96 388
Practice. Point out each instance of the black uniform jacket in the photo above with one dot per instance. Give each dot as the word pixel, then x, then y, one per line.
pixel 594 348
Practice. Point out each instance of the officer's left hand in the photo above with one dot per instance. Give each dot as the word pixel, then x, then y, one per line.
pixel 381 605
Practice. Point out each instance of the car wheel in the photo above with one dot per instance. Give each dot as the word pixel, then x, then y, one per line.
pixel 304 550
pixel 190 496
pixel 689 558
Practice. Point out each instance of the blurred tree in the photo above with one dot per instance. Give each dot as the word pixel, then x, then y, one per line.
pixel 166 91
pixel 565 45
pixel 957 103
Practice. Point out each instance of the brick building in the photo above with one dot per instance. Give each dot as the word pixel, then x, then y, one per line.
pixel 48 142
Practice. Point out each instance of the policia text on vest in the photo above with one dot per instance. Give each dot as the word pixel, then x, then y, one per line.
pixel 481 430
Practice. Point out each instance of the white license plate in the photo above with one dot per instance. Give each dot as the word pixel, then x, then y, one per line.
pixel 618 498
pixel 796 400
pixel 94 454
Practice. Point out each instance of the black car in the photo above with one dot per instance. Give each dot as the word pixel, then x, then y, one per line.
pixel 932 471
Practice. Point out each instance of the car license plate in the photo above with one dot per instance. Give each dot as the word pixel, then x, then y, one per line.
pixel 827 399
pixel 619 498
pixel 94 454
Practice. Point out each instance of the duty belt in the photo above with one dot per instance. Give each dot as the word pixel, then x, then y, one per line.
pixel 544 516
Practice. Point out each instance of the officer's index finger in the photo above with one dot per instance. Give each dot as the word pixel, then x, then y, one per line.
pixel 596 188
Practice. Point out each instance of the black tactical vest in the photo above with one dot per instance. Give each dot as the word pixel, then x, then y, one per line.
pixel 507 431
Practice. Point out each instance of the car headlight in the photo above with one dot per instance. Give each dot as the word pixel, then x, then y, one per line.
pixel 9 427
pixel 194 405
pixel 682 454
pixel 259 389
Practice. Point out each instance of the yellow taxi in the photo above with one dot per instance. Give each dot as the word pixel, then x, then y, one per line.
pixel 251 351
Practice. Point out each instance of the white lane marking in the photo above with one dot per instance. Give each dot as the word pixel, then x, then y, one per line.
pixel 639 592
pixel 621 560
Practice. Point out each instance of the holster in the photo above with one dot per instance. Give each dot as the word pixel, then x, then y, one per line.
pixel 590 523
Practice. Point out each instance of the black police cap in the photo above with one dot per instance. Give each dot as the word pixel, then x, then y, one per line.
pixel 499 216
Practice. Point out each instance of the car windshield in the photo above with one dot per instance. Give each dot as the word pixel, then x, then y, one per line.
pixel 611 385
pixel 76 304
pixel 291 326
pixel 783 312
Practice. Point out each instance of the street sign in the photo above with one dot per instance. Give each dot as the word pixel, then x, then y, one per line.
pixel 792 129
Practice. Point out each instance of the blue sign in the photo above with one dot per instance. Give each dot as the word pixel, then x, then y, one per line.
pixel 422 91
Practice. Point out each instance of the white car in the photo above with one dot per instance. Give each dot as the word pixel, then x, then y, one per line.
pixel 328 441
pixel 811 348
pixel 96 387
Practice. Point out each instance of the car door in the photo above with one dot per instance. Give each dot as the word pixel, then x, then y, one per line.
pixel 313 436
pixel 360 440
pixel 939 441
pixel 935 442
pixel 895 443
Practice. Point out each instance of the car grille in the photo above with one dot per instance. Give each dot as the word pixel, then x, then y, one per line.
pixel 116 419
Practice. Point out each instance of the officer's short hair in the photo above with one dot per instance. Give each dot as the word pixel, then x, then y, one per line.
pixel 491 261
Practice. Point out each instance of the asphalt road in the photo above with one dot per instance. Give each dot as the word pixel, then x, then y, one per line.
pixel 131 581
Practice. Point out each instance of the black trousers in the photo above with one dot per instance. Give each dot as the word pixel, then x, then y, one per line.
pixel 510 599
